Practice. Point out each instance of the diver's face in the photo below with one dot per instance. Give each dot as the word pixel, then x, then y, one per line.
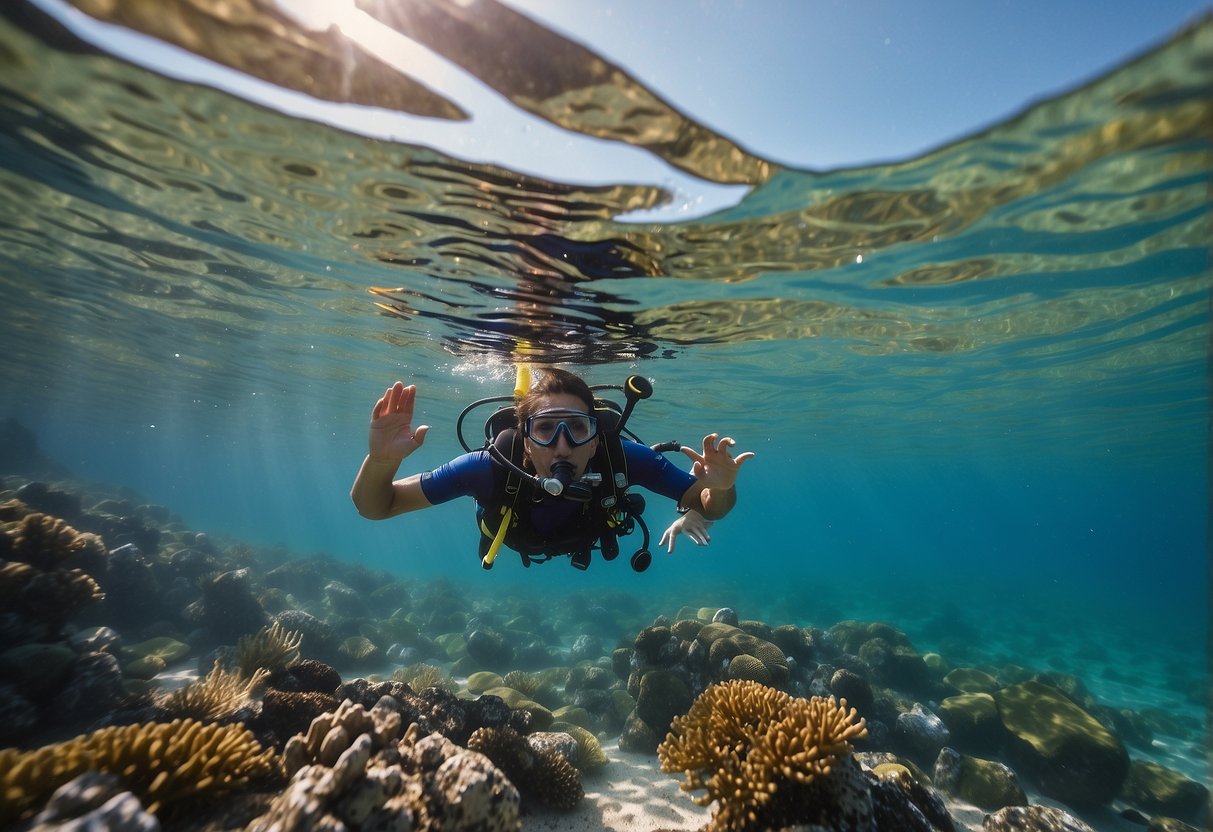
pixel 543 457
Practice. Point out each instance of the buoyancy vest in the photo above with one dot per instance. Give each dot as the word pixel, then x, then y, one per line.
pixel 598 522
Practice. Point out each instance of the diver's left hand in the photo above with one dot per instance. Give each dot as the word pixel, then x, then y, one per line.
pixel 692 525
pixel 716 467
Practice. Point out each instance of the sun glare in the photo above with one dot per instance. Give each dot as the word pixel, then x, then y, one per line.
pixel 319 15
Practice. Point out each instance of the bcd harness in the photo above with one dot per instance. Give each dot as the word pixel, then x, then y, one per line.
pixel 607 510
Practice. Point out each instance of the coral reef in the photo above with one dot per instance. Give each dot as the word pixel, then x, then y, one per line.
pixel 422 676
pixel 589 750
pixel 359 769
pixel 94 801
pixel 46 543
pixel 755 749
pixel 161 762
pixel 43 584
pixel 273 648
pixel 540 773
pixel 221 696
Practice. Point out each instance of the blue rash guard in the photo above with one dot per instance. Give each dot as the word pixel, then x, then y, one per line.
pixel 471 475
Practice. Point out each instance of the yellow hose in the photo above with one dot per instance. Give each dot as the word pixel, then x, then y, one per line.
pixel 522 383
pixel 495 546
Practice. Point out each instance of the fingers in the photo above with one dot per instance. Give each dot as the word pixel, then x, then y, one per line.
pixel 692 453
pixel 714 444
pixel 396 399
pixel 419 434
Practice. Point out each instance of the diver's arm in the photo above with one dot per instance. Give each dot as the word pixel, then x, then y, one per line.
pixel 377 497
pixel 392 438
pixel 714 492
pixel 715 503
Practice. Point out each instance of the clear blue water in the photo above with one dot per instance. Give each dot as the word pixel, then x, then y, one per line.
pixel 976 381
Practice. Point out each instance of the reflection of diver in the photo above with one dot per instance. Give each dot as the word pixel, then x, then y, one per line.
pixel 554 475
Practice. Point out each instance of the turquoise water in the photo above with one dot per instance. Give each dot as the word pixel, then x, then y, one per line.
pixel 976 381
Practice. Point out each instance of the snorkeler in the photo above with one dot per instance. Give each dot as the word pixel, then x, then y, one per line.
pixel 553 479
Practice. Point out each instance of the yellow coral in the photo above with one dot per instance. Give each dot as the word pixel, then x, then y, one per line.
pixel 531 685
pixel 219 696
pixel 422 676
pixel 589 750
pixel 359 649
pixel 742 742
pixel 273 648
pixel 161 762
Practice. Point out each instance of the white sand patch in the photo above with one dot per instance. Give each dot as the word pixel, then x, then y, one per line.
pixel 629 794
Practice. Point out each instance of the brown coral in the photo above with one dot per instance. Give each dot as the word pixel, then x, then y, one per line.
pixel 360 650
pixel 745 666
pixel 725 642
pixel 274 648
pixel 749 746
pixel 46 542
pixel 218 697
pixel 422 676
pixel 161 762
pixel 543 775
pixel 43 601
pixel 36 583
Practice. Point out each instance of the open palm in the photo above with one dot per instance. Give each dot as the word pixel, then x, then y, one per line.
pixel 392 435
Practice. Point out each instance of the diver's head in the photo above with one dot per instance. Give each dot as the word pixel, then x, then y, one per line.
pixel 556 419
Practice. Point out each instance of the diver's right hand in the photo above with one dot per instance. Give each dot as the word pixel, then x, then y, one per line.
pixel 392 436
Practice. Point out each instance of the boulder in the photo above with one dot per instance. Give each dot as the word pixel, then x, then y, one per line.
pixel 1072 756
pixel 921 732
pixel 1033 819
pixel 972 719
pixel 1158 790
pixel 987 784
pixel 663 696
pixel 971 680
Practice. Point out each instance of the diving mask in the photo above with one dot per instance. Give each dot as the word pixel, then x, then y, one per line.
pixel 545 428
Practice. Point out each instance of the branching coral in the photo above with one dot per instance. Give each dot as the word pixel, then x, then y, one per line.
pixel 161 762
pixel 273 648
pixel 744 743
pixel 217 697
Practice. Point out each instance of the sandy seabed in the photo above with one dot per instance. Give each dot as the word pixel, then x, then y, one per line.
pixel 632 794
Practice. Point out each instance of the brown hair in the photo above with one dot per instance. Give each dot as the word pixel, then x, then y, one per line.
pixel 553 381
